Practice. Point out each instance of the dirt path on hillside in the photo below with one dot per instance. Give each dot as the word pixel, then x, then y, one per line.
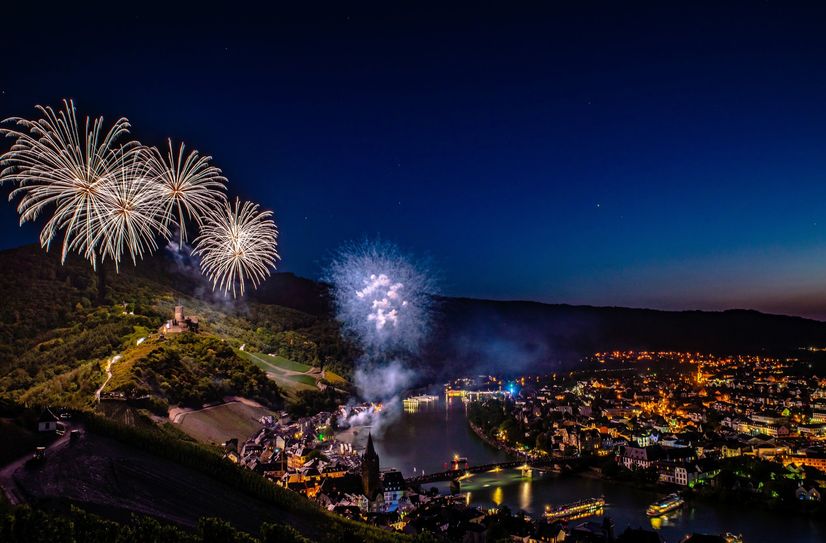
pixel 108 376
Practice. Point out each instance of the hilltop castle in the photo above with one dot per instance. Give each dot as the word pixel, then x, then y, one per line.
pixel 179 323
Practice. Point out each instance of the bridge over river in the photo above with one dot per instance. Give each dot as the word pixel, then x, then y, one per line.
pixel 549 464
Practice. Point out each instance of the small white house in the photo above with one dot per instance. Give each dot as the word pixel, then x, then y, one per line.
pixel 47 421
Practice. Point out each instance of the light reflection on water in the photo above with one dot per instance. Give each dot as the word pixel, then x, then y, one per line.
pixel 525 497
pixel 428 438
pixel 498 496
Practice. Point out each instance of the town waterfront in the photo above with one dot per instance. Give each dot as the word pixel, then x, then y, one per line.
pixel 427 438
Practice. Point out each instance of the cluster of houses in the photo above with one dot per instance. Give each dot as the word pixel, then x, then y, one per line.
pixel 298 455
pixel 304 456
pixel 667 425
pixel 670 421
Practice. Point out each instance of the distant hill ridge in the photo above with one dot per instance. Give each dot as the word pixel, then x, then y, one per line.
pixel 524 332
pixel 469 334
pixel 518 334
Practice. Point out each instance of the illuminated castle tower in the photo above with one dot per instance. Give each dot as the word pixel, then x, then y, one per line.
pixel 370 470
pixel 179 323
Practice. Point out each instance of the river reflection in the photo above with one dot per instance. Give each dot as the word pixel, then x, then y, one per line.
pixel 427 439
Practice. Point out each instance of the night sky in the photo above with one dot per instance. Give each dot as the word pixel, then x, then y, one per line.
pixel 649 156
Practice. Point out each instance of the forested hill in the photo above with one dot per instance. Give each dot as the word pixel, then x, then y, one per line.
pixel 485 335
pixel 44 301
pixel 55 333
pixel 518 335
pixel 485 330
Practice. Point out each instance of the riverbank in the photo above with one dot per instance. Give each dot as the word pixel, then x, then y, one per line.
pixel 705 495
pixel 591 472
pixel 426 440
pixel 496 444
pixel 490 441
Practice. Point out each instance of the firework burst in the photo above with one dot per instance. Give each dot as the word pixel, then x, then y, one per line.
pixel 57 161
pixel 110 200
pixel 382 296
pixel 384 301
pixel 236 245
pixel 131 218
pixel 189 186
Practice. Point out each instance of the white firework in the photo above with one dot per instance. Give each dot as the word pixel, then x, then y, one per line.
pixel 57 162
pixel 382 297
pixel 385 298
pixel 189 186
pixel 131 218
pixel 236 245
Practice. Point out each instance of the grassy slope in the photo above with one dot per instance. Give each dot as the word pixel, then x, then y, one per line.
pixel 287 364
pixel 290 384
pixel 274 363
pixel 220 423
pixel 50 327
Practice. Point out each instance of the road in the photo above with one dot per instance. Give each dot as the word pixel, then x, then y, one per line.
pixel 7 482
pixel 108 376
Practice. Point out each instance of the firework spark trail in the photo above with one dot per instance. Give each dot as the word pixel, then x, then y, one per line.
pixel 190 187
pixel 54 163
pixel 383 299
pixel 110 199
pixel 237 245
pixel 131 220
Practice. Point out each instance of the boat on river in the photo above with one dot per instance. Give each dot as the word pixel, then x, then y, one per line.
pixel 414 401
pixel 665 505
pixel 576 510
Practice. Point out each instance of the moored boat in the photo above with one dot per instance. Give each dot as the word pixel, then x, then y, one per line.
pixel 575 510
pixel 665 505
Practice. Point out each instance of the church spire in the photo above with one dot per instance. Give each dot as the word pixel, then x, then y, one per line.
pixel 371 451
pixel 370 469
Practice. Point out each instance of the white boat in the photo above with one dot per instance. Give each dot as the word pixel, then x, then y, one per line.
pixel 665 505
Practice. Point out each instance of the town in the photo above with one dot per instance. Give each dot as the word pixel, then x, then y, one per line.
pixel 743 428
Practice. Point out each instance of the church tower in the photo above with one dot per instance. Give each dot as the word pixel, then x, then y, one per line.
pixel 370 469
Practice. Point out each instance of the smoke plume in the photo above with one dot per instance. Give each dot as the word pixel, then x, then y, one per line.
pixel 383 300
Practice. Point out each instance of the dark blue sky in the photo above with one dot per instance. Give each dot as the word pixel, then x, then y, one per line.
pixel 653 155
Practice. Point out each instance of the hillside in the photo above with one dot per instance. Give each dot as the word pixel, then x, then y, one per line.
pixel 51 330
pixel 59 346
pixel 55 340
pixel 137 476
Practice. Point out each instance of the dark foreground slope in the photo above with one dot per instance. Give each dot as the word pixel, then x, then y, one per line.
pixel 112 479
pixel 116 471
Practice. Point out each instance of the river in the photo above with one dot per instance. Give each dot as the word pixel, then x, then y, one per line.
pixel 429 437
